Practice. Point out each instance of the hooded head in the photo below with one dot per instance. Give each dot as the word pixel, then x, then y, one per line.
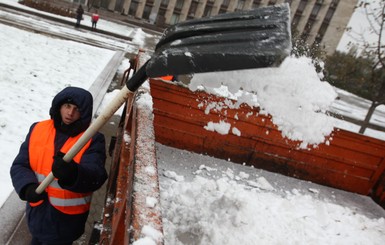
pixel 79 97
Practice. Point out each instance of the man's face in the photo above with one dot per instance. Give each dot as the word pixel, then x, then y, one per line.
pixel 69 113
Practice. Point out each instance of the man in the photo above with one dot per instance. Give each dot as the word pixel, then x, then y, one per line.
pixel 58 215
pixel 79 15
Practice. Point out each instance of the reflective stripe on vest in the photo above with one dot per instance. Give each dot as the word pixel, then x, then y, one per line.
pixel 41 152
pixel 70 202
pixel 53 184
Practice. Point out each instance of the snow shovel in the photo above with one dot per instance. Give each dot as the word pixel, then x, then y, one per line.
pixel 241 40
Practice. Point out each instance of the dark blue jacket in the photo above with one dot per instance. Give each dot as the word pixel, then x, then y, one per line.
pixel 45 222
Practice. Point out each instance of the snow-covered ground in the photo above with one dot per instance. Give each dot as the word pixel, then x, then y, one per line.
pixel 102 24
pixel 33 68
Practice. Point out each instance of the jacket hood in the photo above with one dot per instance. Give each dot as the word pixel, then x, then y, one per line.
pixel 79 97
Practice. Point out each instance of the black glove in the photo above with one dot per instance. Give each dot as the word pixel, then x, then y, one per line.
pixel 30 194
pixel 66 172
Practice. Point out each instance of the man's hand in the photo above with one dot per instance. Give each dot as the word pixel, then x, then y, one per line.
pixel 66 172
pixel 30 194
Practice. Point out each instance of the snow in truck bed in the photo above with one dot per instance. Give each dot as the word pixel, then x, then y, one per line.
pixel 206 200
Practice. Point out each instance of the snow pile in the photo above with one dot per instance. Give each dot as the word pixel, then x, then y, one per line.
pixel 293 94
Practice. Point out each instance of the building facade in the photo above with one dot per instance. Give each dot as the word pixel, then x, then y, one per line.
pixel 316 21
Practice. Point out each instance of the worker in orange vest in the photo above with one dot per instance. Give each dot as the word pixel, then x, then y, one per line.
pixel 59 214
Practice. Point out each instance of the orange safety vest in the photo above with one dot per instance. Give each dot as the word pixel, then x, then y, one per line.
pixel 41 152
pixel 167 78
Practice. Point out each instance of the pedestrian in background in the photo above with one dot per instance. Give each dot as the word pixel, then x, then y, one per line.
pixel 94 19
pixel 79 15
pixel 58 215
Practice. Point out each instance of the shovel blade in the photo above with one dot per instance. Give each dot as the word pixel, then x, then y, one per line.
pixel 240 40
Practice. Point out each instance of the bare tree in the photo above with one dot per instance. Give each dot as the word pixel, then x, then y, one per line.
pixel 372 49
